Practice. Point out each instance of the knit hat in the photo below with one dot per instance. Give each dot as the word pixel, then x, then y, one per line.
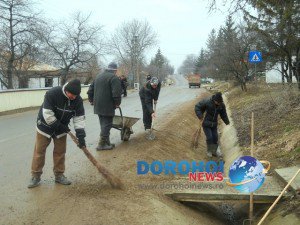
pixel 217 97
pixel 112 66
pixel 154 81
pixel 74 87
pixel 148 77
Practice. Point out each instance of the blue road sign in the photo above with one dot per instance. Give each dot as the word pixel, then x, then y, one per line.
pixel 255 57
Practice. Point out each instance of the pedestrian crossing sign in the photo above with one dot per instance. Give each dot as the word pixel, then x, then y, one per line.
pixel 255 57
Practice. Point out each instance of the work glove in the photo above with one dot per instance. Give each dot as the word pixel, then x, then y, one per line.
pixel 65 128
pixel 200 117
pixel 80 134
pixel 81 142
pixel 62 127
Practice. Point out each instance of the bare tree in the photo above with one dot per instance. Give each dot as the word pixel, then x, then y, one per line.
pixel 188 65
pixel 73 43
pixel 17 22
pixel 130 42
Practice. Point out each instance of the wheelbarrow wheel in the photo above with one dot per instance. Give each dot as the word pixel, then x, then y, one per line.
pixel 125 134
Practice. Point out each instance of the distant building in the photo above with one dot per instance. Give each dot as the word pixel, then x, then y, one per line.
pixel 274 75
pixel 43 75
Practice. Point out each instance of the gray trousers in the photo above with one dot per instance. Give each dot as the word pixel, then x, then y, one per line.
pixel 105 124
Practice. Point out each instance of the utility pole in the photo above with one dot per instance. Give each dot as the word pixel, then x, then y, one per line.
pixel 135 47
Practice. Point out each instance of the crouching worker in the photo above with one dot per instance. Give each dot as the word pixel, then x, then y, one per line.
pixel 149 94
pixel 59 106
pixel 212 107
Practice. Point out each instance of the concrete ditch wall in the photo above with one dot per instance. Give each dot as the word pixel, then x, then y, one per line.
pixel 11 100
pixel 228 140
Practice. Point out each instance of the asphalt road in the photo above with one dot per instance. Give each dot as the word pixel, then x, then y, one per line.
pixel 17 137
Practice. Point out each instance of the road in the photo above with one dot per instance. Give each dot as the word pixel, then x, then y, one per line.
pixel 17 137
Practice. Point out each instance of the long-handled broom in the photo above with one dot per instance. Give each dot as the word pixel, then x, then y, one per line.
pixel 196 135
pixel 114 181
pixel 151 136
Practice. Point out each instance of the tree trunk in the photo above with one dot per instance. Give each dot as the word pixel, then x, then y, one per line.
pixel 11 60
pixel 63 76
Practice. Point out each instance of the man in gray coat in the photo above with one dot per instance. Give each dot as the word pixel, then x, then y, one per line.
pixel 105 94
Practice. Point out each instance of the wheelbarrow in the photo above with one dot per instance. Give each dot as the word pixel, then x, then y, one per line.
pixel 124 124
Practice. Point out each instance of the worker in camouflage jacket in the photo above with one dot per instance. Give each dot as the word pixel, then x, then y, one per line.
pixel 60 105
pixel 208 110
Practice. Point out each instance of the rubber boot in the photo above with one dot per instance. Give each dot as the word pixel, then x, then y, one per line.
pixel 218 153
pixel 104 144
pixel 149 135
pixel 109 143
pixel 214 150
pixel 209 150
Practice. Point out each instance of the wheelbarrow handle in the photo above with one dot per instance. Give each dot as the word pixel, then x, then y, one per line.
pixel 121 116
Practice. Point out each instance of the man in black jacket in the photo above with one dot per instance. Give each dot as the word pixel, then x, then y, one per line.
pixel 105 94
pixel 124 85
pixel 149 94
pixel 59 106
pixel 213 107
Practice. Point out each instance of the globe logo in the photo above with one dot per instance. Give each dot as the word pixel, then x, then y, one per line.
pixel 247 174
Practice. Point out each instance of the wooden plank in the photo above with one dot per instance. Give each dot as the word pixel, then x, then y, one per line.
pixel 193 197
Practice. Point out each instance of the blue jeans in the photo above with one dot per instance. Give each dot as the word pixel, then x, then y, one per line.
pixel 211 134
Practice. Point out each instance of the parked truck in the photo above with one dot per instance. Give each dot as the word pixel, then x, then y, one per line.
pixel 194 80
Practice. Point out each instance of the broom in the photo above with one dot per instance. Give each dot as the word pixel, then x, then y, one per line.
pixel 196 135
pixel 114 181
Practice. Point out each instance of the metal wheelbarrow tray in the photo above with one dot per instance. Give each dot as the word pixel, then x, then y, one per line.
pixel 124 124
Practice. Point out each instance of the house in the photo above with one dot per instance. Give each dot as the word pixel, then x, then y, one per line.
pixel 43 76
pixel 274 75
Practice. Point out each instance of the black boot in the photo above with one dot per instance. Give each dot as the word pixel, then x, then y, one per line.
pixel 214 150
pixel 104 144
pixel 209 152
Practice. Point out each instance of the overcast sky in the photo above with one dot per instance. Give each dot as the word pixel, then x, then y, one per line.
pixel 182 25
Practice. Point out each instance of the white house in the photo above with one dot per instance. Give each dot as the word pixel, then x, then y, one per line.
pixel 274 75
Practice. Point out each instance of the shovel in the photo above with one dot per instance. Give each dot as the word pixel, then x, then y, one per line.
pixel 114 181
pixel 151 135
pixel 196 135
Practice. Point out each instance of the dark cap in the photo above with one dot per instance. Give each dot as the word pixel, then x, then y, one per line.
pixel 148 77
pixel 112 66
pixel 218 97
pixel 74 87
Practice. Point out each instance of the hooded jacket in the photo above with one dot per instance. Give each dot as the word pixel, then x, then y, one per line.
pixel 212 111
pixel 58 109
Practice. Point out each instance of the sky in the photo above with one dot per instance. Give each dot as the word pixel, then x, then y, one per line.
pixel 182 26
